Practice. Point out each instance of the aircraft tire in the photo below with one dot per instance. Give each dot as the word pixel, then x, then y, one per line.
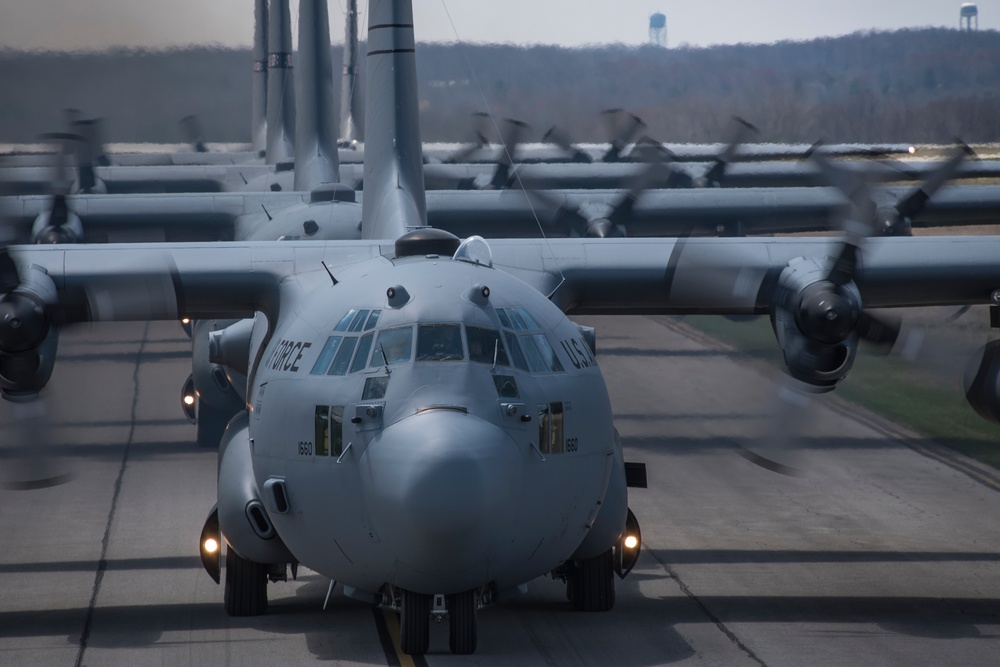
pixel 415 623
pixel 591 585
pixel 212 423
pixel 462 623
pixel 246 586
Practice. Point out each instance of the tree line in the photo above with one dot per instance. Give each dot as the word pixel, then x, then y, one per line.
pixel 919 86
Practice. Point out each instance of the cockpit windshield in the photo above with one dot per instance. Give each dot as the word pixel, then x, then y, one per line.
pixel 357 344
pixel 485 346
pixel 439 342
pixel 394 346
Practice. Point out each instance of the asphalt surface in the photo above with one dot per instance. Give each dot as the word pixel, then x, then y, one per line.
pixel 884 550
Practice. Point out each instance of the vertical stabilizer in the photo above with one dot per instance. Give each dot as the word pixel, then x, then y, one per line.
pixel 258 104
pixel 316 161
pixel 394 178
pixel 280 90
pixel 352 128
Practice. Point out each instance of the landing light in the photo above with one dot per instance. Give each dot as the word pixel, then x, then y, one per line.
pixel 912 150
pixel 626 552
pixel 189 399
pixel 210 545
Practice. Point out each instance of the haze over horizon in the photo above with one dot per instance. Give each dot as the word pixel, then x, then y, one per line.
pixel 101 24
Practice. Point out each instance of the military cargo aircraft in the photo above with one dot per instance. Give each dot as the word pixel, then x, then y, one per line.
pixel 423 423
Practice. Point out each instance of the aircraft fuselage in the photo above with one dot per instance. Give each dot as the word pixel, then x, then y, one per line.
pixel 407 456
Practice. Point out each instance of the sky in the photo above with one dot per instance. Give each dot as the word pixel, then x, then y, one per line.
pixel 98 24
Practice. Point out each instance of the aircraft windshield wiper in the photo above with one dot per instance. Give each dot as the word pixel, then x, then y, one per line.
pixel 385 361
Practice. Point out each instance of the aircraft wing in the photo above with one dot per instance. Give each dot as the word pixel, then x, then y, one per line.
pixel 162 281
pixel 737 276
pixel 699 212
pixel 503 214
pixel 150 217
pixel 616 276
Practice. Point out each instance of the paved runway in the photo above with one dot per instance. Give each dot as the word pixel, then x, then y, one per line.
pixel 878 555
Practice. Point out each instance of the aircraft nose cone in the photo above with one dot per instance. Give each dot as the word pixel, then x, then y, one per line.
pixel 444 486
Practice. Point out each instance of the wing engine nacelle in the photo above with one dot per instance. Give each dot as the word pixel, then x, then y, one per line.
pixel 890 222
pixel 231 346
pixel 212 382
pixel 243 519
pixel 815 322
pixel 27 340
pixel 982 382
pixel 57 225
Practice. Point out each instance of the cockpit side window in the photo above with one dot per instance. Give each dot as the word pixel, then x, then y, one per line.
pixel 326 355
pixel 539 354
pixel 548 354
pixel 364 347
pixel 515 351
pixel 536 363
pixel 358 323
pixel 529 321
pixel 396 344
pixel 517 319
pixel 343 358
pixel 345 323
pixel 439 342
pixel 483 343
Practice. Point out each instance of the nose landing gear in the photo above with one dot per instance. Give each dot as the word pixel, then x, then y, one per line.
pixel 415 612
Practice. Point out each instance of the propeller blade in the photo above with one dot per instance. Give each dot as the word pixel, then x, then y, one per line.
pixel 511 139
pixel 738 136
pixel 568 218
pixel 882 332
pixel 193 133
pixel 478 142
pixel 33 461
pixel 777 448
pixel 914 203
pixel 620 137
pixel 558 137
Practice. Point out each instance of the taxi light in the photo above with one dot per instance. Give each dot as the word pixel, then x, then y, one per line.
pixel 210 545
pixel 185 320
pixel 626 552
pixel 189 400
pixel 912 150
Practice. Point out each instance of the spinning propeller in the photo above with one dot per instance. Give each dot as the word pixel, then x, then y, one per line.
pixel 32 315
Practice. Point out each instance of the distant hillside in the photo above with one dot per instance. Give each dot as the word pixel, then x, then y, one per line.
pixel 913 85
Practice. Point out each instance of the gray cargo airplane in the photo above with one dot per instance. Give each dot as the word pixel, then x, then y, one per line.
pixel 273 113
pixel 423 423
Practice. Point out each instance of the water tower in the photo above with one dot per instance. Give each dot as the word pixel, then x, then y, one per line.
pixel 968 17
pixel 658 29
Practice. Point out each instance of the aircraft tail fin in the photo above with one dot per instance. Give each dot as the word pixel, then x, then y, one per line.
pixel 352 127
pixel 280 93
pixel 394 200
pixel 258 108
pixel 316 160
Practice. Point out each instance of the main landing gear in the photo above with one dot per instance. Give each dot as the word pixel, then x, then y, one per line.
pixel 246 586
pixel 415 611
pixel 590 583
